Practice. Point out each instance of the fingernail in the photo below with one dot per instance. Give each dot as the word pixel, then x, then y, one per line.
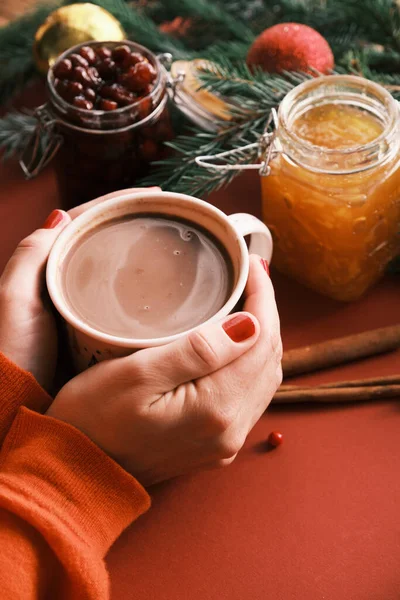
pixel 239 328
pixel 53 219
pixel 265 265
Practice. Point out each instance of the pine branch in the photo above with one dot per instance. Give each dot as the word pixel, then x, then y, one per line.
pixel 209 12
pixel 232 51
pixel 15 131
pixel 379 20
pixel 141 29
pixel 253 95
pixel 16 62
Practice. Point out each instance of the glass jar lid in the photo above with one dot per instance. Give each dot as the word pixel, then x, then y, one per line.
pixel 202 107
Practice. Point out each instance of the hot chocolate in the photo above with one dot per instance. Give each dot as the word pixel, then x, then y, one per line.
pixel 146 276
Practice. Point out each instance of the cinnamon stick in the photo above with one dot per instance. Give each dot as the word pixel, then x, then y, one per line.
pixel 341 350
pixel 372 381
pixel 349 394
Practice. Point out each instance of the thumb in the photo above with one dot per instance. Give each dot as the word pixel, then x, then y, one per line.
pixel 197 354
pixel 24 271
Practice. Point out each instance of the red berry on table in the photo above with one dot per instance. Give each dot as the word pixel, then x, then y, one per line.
pixel 88 54
pixel 81 102
pixel 120 53
pixel 78 60
pixel 103 52
pixel 106 104
pixel 63 68
pixel 291 47
pixel 275 439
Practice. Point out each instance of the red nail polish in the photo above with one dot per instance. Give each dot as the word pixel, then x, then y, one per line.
pixel 239 328
pixel 265 265
pixel 53 219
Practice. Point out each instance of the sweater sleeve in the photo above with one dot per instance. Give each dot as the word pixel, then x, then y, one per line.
pixel 18 388
pixel 63 502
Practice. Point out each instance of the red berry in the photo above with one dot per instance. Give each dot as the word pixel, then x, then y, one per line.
pixel 107 68
pixel 275 439
pixel 103 52
pixel 88 54
pixel 108 91
pixel 107 104
pixel 80 74
pixel 63 68
pixel 138 77
pixel 145 73
pixel 69 89
pixel 82 102
pixel 94 76
pixel 78 61
pixel 132 59
pixel 291 47
pixel 89 94
pixel 120 53
pixel 124 98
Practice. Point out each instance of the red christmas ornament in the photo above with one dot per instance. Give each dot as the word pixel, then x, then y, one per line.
pixel 291 47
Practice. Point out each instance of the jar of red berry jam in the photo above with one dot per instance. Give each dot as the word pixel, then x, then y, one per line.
pixel 105 119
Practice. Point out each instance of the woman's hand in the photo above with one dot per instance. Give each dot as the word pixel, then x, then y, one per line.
pixel 28 334
pixel 190 404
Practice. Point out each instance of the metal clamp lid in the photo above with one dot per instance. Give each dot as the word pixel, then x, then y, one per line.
pixel 166 60
pixel 267 147
pixel 43 144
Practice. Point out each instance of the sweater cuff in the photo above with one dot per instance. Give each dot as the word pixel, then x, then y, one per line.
pixel 55 477
pixel 18 388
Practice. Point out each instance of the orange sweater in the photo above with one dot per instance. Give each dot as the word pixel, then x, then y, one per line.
pixel 63 502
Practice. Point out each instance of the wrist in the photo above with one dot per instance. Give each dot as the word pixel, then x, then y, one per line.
pixel 89 498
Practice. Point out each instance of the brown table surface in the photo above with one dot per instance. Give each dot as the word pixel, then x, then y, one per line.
pixel 318 518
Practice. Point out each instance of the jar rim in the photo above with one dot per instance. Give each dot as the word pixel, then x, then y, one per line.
pixel 96 112
pixel 361 86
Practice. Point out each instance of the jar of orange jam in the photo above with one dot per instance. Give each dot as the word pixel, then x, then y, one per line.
pixel 332 198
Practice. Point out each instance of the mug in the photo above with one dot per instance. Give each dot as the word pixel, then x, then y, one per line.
pixel 89 346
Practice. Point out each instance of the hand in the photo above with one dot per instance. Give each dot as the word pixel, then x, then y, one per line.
pixel 164 411
pixel 28 334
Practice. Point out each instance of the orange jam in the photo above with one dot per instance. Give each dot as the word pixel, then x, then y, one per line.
pixel 332 199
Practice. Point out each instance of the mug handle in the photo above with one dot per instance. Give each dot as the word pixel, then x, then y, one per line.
pixel 260 240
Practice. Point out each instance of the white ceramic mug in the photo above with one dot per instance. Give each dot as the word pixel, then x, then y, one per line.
pixel 88 345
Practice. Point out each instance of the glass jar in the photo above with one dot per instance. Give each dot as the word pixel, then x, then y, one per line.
pixel 95 151
pixel 332 197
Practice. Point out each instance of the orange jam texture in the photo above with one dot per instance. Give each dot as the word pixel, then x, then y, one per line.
pixel 335 233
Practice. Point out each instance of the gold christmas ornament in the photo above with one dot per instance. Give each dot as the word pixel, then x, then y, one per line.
pixel 71 25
